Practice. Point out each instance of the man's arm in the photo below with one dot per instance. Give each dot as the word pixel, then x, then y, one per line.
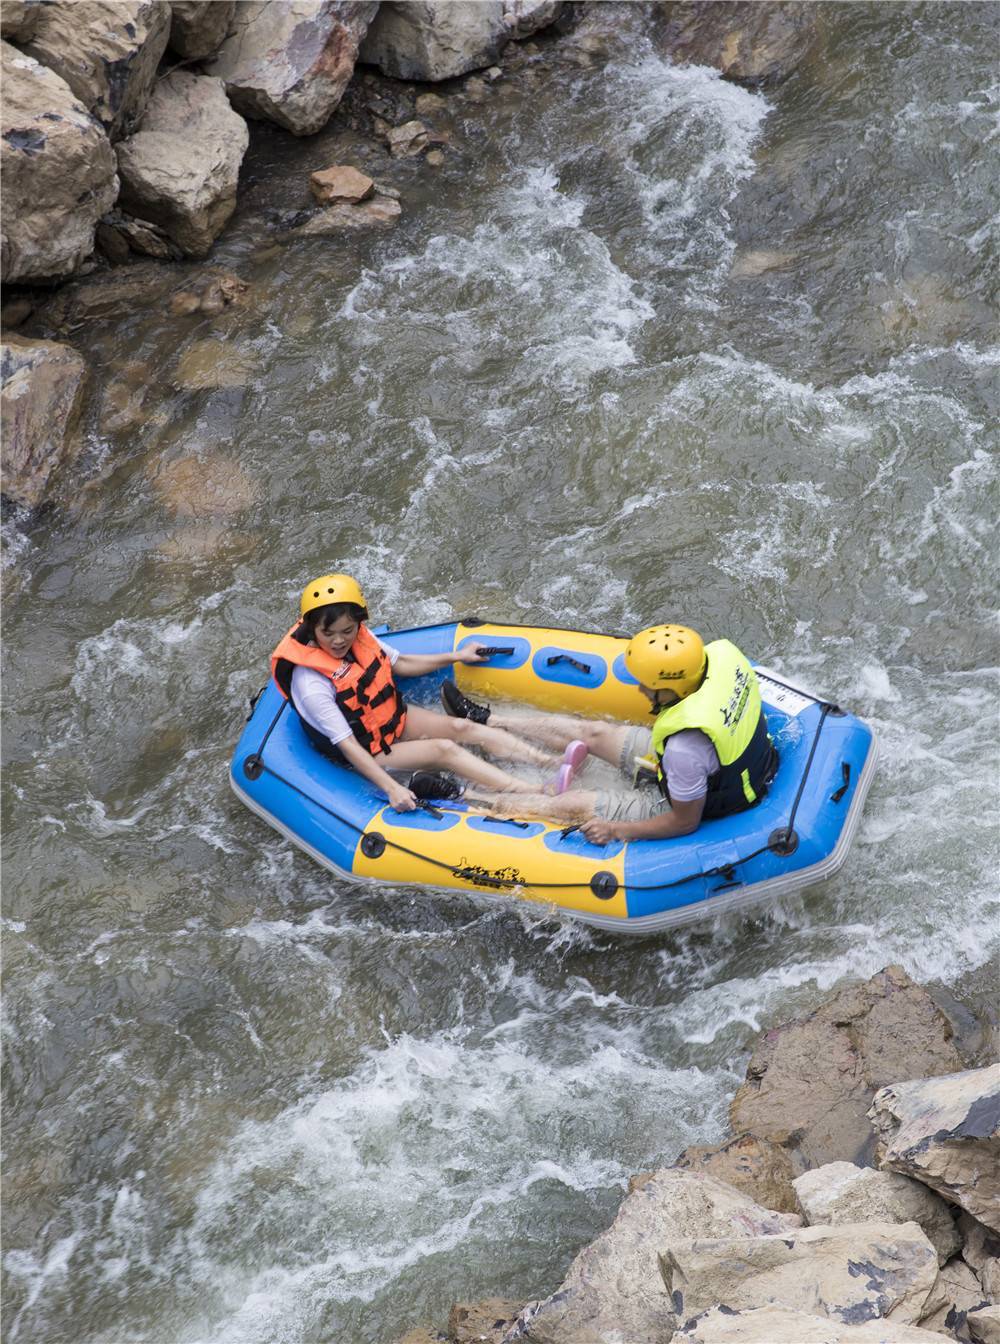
pixel 679 819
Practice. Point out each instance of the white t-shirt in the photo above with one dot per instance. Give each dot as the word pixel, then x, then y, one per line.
pixel 688 759
pixel 316 700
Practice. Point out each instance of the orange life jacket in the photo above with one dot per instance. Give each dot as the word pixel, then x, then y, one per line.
pixel 363 682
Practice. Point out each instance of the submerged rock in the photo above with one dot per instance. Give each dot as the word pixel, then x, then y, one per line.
pixel 198 27
pixel 946 1133
pixel 434 40
pixel 778 1325
pixel 759 1168
pixel 843 1193
pixel 810 1082
pixel 289 61
pixel 485 1322
pixel 213 486
pixel 614 1290
pixel 107 51
pixel 181 168
pixel 214 364
pixel 378 212
pixel 42 386
pixel 749 43
pixel 58 173
pixel 852 1273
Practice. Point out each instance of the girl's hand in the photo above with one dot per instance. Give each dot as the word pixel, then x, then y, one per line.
pixel 401 797
pixel 600 832
pixel 470 653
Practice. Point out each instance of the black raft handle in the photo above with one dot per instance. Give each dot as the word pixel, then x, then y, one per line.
pixel 845 769
pixel 567 658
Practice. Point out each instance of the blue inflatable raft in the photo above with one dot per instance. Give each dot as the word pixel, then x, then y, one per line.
pixel 799 834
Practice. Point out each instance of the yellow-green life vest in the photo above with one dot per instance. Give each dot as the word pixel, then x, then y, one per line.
pixel 726 707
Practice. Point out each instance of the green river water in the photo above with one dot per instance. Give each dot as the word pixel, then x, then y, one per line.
pixel 247 1102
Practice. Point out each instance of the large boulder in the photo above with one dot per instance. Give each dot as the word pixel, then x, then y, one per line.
pixel 810 1082
pixel 524 17
pixel 955 1295
pixel 107 51
pixel 946 1133
pixel 981 1251
pixel 984 1325
pixel 778 1325
pixel 759 1168
pixel 199 27
pixel 181 169
pixel 18 19
pixel 852 1273
pixel 58 173
pixel 613 1289
pixel 843 1193
pixel 749 43
pixel 42 385
pixel 435 39
pixel 289 61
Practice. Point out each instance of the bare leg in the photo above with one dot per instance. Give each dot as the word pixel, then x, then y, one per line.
pixel 444 754
pixel 424 723
pixel 577 805
pixel 605 740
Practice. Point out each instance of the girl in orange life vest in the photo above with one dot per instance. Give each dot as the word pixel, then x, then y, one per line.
pixel 341 681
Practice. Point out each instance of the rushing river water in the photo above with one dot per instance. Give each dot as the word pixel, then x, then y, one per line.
pixel 247 1102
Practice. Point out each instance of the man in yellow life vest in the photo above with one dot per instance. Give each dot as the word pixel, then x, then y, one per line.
pixel 708 753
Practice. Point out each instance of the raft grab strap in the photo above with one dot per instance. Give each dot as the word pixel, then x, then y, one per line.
pixel 782 842
pixel 568 658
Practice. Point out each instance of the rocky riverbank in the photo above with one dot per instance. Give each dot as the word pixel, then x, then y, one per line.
pixel 857 1201
pixel 126 126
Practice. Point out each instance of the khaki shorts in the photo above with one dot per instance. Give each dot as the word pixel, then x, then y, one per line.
pixel 643 798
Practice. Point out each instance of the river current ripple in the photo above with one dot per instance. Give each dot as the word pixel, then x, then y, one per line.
pixel 246 1102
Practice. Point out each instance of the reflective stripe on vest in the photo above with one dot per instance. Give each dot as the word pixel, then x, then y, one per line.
pixel 364 685
pixel 726 707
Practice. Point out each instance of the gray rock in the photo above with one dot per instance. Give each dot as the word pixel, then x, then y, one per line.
pixel 198 27
pixel 180 170
pixel 810 1082
pixel 955 1294
pixel 759 1168
pixel 524 17
pixel 946 1133
pixel 378 212
pixel 840 1192
pixel 435 39
pixel 984 1325
pixel 851 1273
pixel 107 51
pixel 289 61
pixel 613 1289
pixel 981 1251
pixel 42 385
pixel 58 173
pixel 778 1325
pixel 18 19
pixel 749 43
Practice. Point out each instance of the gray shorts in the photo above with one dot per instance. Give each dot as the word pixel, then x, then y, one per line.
pixel 642 799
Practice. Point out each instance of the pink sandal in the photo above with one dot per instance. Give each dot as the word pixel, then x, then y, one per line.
pixel 573 757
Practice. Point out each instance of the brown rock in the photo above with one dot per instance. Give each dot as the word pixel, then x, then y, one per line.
pixel 340 183
pixel 420 1335
pixel 214 364
pixel 408 140
pixel 15 311
pixel 981 1251
pixel 214 486
pixel 41 396
pixel 108 297
pixel 984 1325
pixel 955 1294
pixel 810 1082
pixel 58 173
pixel 434 157
pixel 759 1168
pixel 112 242
pixel 18 19
pixel 749 43
pixel 107 51
pixel 379 211
pixel 487 1321
pixel 429 103
pixel 198 27
pixel 209 293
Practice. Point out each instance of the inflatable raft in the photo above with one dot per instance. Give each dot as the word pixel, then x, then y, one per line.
pixel 800 833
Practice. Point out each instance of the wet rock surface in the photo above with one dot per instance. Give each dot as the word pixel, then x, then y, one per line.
pixel 180 170
pixel 761 1169
pixel 290 62
pixel 946 1133
pixel 840 1192
pixel 42 385
pixel 107 51
pixel 810 1082
pixel 750 43
pixel 59 173
pixel 485 1322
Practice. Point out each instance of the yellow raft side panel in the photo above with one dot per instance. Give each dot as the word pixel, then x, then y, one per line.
pixel 612 699
pixel 525 862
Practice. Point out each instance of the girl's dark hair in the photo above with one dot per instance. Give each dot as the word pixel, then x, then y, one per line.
pixel 324 617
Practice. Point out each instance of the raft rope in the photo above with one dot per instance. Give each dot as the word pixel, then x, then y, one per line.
pixel 782 842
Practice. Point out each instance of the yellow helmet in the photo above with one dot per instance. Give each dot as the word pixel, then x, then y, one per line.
pixel 667 658
pixel 331 588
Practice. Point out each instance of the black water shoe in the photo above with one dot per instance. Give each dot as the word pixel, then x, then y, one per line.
pixel 435 784
pixel 459 706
